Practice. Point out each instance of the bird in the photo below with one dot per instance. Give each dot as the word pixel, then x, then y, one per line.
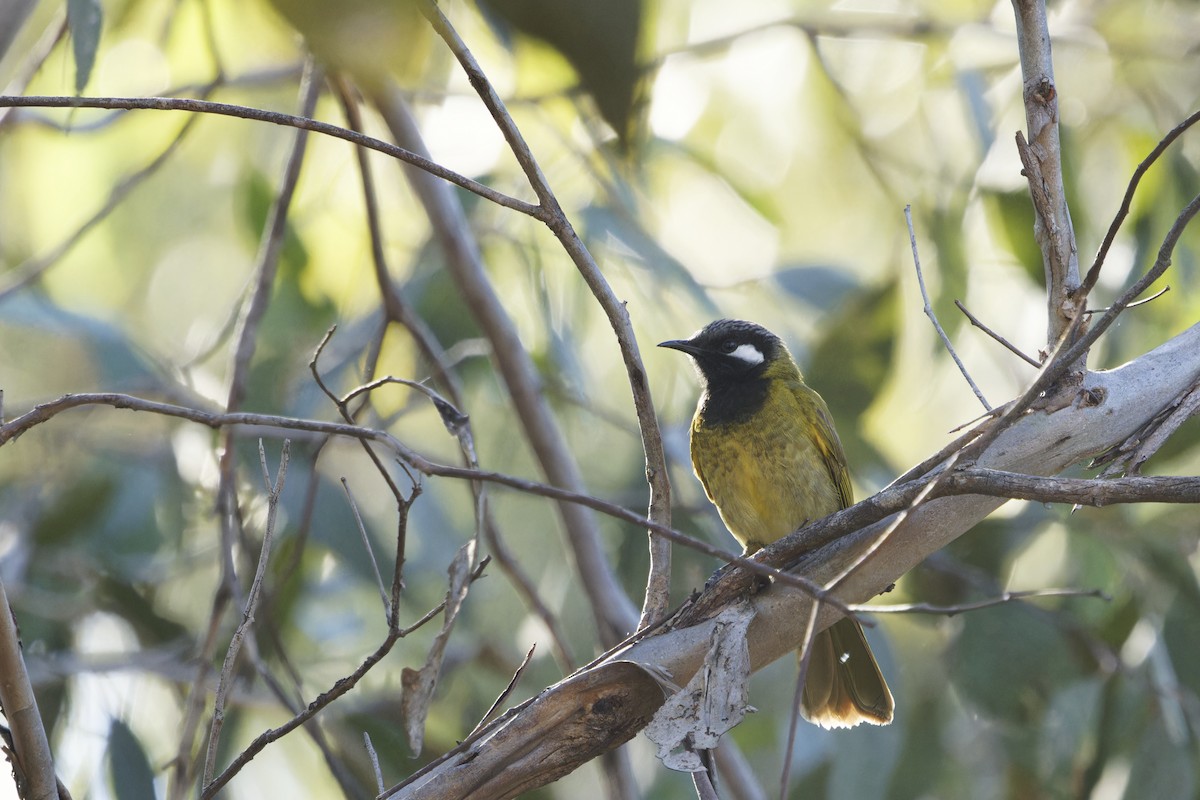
pixel 764 447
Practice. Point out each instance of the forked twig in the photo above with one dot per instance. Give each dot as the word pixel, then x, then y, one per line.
pixel 912 238
pixel 1033 362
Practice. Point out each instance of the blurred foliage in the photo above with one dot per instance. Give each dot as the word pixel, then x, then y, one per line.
pixel 598 40
pixel 764 176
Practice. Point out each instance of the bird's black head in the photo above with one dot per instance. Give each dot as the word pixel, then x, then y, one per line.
pixel 731 351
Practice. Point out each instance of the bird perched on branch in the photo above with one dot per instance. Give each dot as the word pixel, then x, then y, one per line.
pixel 764 446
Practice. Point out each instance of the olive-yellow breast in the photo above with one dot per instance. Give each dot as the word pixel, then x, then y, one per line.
pixel 764 447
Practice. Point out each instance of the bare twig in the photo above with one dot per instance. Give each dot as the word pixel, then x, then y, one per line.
pixel 1033 362
pixel 1093 273
pixel 962 608
pixel 804 657
pixel 397 308
pixel 30 271
pixel 366 540
pixel 937 326
pixel 347 415
pixel 508 690
pixel 270 246
pixel 395 305
pixel 181 766
pixel 1141 302
pixel 225 682
pixel 379 785
pixel 1066 355
pixel 339 688
pixel 218 420
pixel 890 500
pixel 275 118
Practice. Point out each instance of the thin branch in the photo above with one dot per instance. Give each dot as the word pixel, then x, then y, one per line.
pixel 181 767
pixel 225 682
pixel 610 606
pixel 1033 362
pixel 347 415
pixel 1161 489
pixel 1097 492
pixel 1148 440
pixel 396 307
pixel 219 420
pixel 803 660
pixel 657 596
pixel 508 690
pixel 271 246
pixel 276 118
pixel 339 688
pixel 937 326
pixel 1093 273
pixel 1141 302
pixel 379 785
pixel 28 272
pixel 366 540
pixel 962 608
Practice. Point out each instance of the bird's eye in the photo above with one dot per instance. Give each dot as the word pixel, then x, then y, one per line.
pixel 728 346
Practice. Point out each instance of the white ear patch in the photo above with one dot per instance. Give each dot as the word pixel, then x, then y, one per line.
pixel 748 353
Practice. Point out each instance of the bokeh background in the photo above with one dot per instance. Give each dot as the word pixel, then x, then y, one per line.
pixel 757 167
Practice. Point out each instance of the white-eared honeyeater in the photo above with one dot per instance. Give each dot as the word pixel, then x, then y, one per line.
pixel 764 446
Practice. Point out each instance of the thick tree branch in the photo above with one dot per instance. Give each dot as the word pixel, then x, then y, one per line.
pixel 1042 159
pixel 31 747
pixel 1107 408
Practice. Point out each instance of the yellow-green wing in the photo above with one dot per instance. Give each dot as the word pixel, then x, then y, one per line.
pixel 825 437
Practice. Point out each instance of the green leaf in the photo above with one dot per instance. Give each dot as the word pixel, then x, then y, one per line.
pixel 84 18
pixel 599 40
pixel 1163 765
pixel 1009 662
pixel 1068 734
pixel 132 778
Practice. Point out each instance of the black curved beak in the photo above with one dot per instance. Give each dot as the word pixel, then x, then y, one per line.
pixel 682 345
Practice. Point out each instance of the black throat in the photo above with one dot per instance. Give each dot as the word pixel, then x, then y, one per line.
pixel 729 402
